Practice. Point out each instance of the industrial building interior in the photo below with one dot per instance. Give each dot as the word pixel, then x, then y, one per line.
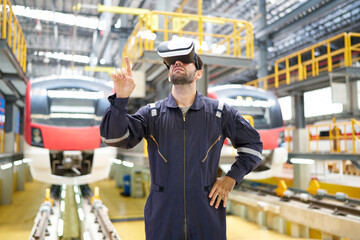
pixel 303 55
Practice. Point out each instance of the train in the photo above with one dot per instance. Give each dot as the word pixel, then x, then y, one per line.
pixel 263 110
pixel 61 130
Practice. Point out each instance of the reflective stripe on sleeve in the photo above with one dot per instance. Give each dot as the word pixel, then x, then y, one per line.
pixel 115 140
pixel 250 151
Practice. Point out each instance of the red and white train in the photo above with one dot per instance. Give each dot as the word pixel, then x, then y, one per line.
pixel 62 138
pixel 264 109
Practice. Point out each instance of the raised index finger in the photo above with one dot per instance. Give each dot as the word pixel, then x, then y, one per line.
pixel 128 66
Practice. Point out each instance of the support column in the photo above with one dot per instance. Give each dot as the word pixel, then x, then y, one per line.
pixel 123 39
pixel 20 181
pixel 167 6
pixel 354 98
pixel 9 125
pixel 263 63
pixel 202 84
pixel 302 172
pixel 21 129
pixel 6 176
pixel 262 43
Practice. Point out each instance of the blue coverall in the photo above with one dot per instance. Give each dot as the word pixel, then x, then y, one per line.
pixel 183 157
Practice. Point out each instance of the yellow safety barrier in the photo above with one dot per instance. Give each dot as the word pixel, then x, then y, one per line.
pixel 288 137
pixel 249 118
pixel 17 142
pixel 11 30
pixel 96 195
pixel 14 186
pixel 341 137
pixel 100 69
pixel 2 140
pixel 311 61
pixel 239 43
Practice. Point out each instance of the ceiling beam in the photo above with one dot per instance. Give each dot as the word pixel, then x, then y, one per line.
pixel 286 24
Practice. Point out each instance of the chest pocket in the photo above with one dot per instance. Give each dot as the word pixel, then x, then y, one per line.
pixel 214 141
pixel 209 149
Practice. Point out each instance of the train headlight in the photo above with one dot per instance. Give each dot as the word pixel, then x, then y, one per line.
pixel 36 138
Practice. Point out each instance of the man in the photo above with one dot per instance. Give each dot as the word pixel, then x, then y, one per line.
pixel 185 133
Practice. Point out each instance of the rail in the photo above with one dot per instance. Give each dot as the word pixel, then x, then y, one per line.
pixel 328 201
pixel 313 60
pixel 11 30
pixel 41 226
pixel 163 26
pixel 335 137
pixel 105 224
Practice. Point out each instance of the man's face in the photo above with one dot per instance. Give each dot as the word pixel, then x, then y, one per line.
pixel 182 73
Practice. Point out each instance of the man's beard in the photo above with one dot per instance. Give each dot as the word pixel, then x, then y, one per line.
pixel 184 78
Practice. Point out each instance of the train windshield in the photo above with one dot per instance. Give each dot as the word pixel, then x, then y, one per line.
pixel 70 107
pixel 262 106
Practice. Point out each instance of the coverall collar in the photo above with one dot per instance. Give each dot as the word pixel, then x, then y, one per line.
pixel 197 104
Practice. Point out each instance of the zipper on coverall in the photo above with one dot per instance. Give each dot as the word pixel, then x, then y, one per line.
pixel 185 226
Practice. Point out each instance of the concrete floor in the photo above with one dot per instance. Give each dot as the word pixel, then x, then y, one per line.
pixel 17 219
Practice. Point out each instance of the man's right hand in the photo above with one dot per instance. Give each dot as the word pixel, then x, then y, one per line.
pixel 124 84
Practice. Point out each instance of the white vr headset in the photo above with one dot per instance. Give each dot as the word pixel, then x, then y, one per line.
pixel 178 50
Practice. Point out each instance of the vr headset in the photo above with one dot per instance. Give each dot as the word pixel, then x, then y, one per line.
pixel 182 50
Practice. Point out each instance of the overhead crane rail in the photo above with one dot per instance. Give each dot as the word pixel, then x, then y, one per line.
pixel 313 60
pixel 11 31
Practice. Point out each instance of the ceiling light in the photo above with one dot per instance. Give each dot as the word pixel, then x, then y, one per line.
pixel 6 166
pixel 118 23
pixel 62 18
pixel 75 94
pixel 38 26
pixel 301 161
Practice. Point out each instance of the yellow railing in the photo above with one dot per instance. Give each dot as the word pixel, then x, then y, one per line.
pixel 288 137
pixel 335 137
pixel 311 61
pixel 11 30
pixel 355 138
pixel 238 43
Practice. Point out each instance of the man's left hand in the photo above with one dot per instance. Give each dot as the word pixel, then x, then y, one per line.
pixel 221 190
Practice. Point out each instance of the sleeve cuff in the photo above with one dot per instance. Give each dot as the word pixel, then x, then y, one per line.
pixel 237 177
pixel 119 103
